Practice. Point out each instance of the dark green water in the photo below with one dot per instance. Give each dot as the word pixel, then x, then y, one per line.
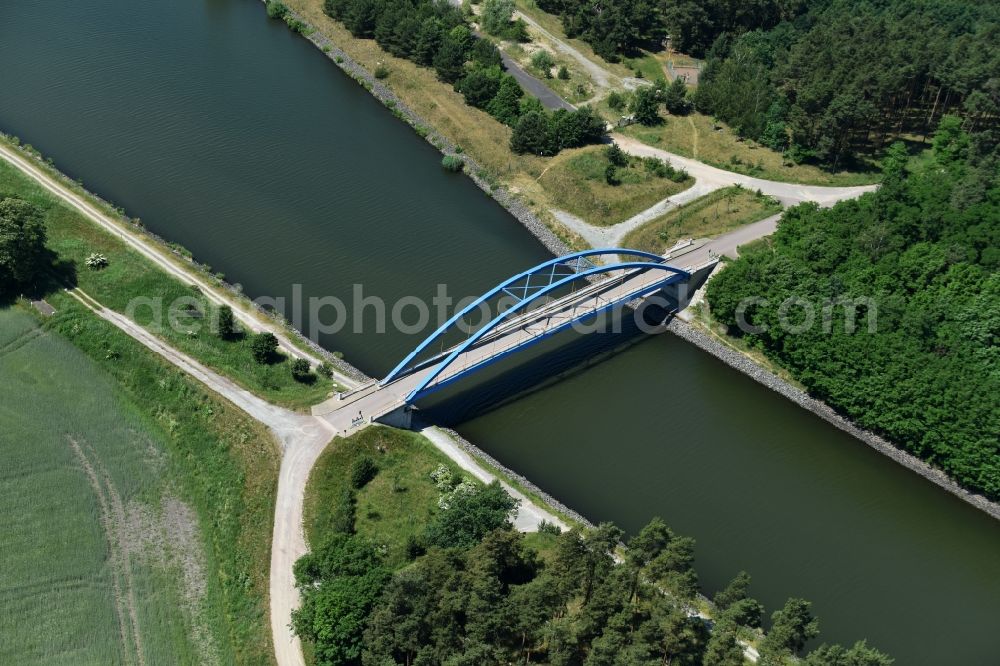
pixel 236 138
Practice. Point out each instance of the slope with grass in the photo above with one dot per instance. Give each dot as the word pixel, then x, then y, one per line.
pixel 576 182
pixel 699 137
pixel 395 505
pixel 132 284
pixel 711 215
pixel 116 466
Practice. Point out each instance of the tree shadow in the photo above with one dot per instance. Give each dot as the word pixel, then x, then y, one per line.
pixel 61 274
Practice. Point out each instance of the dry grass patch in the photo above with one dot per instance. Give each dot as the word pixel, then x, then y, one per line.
pixel 711 215
pixel 695 136
pixel 575 182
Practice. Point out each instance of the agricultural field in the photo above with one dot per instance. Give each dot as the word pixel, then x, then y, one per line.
pixel 103 563
pixel 576 182
pixel 129 276
pixel 710 215
pixel 136 508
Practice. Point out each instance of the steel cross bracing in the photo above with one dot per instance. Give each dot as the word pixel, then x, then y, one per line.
pixel 504 335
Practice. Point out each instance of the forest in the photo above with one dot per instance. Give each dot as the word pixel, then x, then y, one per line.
pixel 828 81
pixel 917 360
pixel 453 583
pixel 437 35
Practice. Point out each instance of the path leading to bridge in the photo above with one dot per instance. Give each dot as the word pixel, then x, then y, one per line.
pixel 707 179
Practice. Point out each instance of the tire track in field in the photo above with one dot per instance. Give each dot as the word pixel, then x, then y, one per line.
pixel 20 341
pixel 113 521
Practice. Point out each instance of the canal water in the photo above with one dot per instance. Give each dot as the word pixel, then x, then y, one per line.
pixel 234 137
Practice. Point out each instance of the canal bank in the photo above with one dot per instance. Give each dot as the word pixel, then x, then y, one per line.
pixel 732 357
pixel 686 443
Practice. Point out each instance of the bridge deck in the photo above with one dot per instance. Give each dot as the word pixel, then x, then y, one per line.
pixel 372 401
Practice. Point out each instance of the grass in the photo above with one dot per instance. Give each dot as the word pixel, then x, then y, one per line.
pixel 396 505
pixel 553 25
pixel 695 136
pixel 130 275
pixel 481 136
pixel 575 182
pixel 711 215
pixel 186 480
pixel 577 89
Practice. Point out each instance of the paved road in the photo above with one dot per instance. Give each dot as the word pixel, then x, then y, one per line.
pixel 534 86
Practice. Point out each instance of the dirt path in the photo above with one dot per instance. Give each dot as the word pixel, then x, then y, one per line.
pixel 159 257
pixel 602 77
pixel 302 439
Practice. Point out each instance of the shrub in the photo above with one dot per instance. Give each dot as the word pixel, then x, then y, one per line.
pixel 296 25
pixel 363 470
pixel 227 323
pixel 96 261
pixel 452 163
pixel 324 370
pixel 616 100
pixel 470 516
pixel 263 347
pixel 300 370
pixel 516 31
pixel 616 155
pixel 342 520
pixel 611 175
pixel 414 547
pixel 543 62
pixel 276 8
pixel 381 71
pixel 545 527
pixel 496 16
pixel 563 73
pixel 646 106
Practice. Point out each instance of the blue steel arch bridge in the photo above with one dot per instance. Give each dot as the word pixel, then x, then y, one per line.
pixel 530 307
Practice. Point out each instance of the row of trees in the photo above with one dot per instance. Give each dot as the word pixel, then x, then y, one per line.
pixel 435 34
pixel 618 28
pixel 475 594
pixel 844 78
pixel 922 253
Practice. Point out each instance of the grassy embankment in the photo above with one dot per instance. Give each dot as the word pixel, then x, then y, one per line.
pixel 711 215
pixel 107 452
pixel 130 275
pixel 397 504
pixel 479 135
pixel 696 136
pixel 576 183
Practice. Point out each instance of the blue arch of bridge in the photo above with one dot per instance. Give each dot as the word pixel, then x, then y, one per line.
pixel 550 264
pixel 676 275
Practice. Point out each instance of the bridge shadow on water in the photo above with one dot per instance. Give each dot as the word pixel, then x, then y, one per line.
pixel 536 368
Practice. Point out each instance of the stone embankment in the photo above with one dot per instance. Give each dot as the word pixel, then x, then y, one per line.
pixel 747 366
pixel 511 202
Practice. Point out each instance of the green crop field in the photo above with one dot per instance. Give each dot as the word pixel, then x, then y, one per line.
pixel 135 508
pixel 96 545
